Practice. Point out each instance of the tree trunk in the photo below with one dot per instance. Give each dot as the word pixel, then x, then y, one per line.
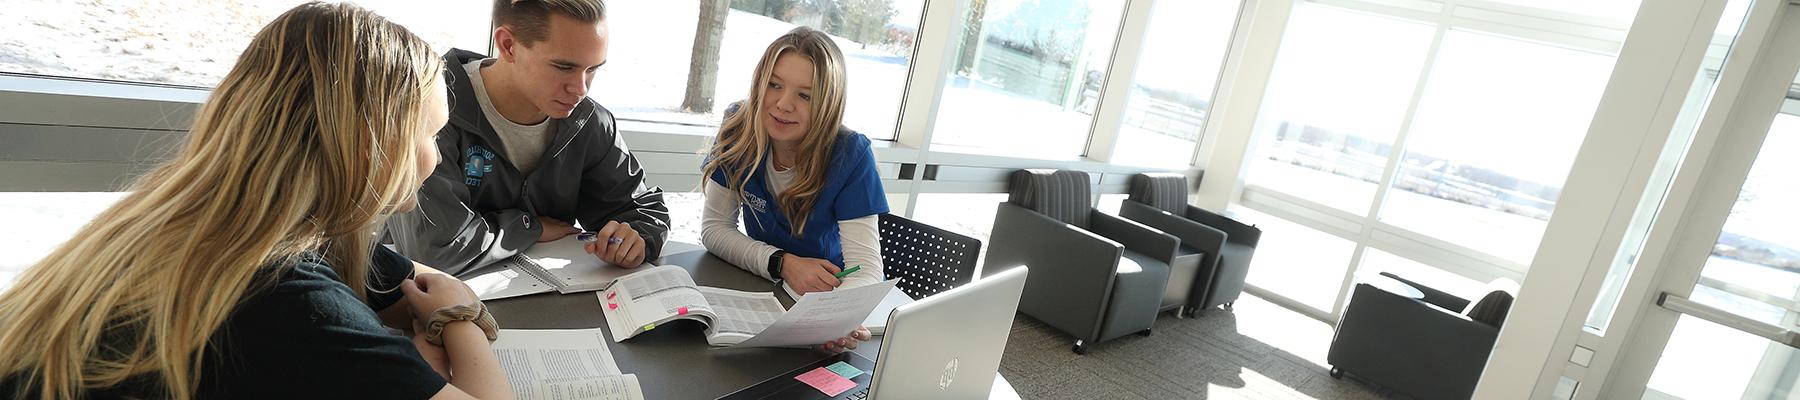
pixel 965 63
pixel 703 69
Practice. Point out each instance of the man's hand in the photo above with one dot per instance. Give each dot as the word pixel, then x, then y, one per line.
pixel 554 229
pixel 807 275
pixel 619 244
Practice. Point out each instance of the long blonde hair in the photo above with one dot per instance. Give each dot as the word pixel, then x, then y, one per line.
pixel 743 142
pixel 300 149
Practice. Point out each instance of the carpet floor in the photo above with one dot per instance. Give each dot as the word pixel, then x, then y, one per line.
pixel 1258 350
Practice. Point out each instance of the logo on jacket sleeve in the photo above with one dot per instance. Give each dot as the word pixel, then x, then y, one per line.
pixel 477 162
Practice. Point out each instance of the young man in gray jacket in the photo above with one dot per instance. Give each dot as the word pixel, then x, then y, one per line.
pixel 527 156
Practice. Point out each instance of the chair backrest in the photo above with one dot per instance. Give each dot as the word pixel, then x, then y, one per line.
pixel 1165 191
pixel 1059 194
pixel 925 258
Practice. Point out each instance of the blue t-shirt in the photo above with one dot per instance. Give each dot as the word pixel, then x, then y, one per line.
pixel 852 190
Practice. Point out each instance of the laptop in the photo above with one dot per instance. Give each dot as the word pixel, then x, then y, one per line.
pixel 946 346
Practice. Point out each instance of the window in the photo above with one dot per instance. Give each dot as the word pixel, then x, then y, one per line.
pixel 1495 134
pixel 1027 76
pixel 185 42
pixel 1622 10
pixel 1478 107
pixel 651 73
pixel 1375 262
pixel 970 214
pixel 1110 203
pixel 685 211
pixel 41 221
pixel 1297 262
pixel 1336 99
pixel 1171 95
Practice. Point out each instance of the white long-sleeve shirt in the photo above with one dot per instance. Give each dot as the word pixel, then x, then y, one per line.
pixel 719 232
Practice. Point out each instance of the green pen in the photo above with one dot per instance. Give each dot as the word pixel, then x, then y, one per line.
pixel 847 272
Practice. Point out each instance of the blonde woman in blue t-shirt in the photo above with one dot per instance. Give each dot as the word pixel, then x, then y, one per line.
pixel 807 186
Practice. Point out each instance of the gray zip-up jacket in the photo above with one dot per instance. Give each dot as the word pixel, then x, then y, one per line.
pixel 476 208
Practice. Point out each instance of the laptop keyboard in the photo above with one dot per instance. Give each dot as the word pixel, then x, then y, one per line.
pixel 858 395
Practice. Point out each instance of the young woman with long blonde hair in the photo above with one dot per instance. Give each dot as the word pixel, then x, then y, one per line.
pixel 806 185
pixel 242 267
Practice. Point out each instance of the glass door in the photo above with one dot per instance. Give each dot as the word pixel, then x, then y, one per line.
pixel 1727 299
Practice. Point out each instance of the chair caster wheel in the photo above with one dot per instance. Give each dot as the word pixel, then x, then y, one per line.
pixel 1337 373
pixel 1228 305
pixel 1080 348
pixel 1145 333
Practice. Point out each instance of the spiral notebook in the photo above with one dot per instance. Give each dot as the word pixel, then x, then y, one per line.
pixel 562 266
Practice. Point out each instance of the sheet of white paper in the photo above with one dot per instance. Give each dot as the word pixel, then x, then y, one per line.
pixel 568 260
pixel 821 316
pixel 562 364
pixel 877 320
pixel 506 283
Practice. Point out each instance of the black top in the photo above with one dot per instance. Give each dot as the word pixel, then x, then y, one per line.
pixel 307 336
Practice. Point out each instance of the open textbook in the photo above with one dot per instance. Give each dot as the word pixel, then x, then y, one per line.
pixel 639 302
pixel 562 365
pixel 562 266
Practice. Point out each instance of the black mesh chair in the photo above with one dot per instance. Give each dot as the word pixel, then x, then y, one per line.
pixel 925 258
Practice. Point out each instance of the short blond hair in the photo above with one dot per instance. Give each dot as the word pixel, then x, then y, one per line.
pixel 530 19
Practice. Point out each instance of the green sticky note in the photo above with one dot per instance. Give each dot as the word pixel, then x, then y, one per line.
pixel 649 326
pixel 844 370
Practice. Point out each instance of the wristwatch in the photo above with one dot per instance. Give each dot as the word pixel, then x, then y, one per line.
pixel 775 264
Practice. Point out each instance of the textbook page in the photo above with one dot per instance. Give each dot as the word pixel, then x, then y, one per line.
pixel 739 314
pixel 637 302
pixel 819 317
pixel 562 364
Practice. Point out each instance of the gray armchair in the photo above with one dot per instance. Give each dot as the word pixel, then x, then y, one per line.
pixel 1095 276
pixel 1416 343
pixel 1221 246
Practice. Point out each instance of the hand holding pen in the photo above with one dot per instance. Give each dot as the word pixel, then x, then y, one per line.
pixel 616 243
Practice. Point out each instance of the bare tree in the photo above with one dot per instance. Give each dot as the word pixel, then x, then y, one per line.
pixel 703 69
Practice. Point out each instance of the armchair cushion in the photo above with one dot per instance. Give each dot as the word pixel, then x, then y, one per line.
pixel 1165 191
pixel 1491 309
pixel 1061 195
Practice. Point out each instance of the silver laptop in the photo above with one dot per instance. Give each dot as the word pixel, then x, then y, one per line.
pixel 946 346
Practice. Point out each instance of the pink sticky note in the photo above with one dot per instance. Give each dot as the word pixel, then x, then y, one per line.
pixel 609 296
pixel 826 381
pixel 612 306
pixel 681 311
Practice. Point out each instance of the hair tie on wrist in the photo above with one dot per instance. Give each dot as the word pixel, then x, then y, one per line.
pixel 477 313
